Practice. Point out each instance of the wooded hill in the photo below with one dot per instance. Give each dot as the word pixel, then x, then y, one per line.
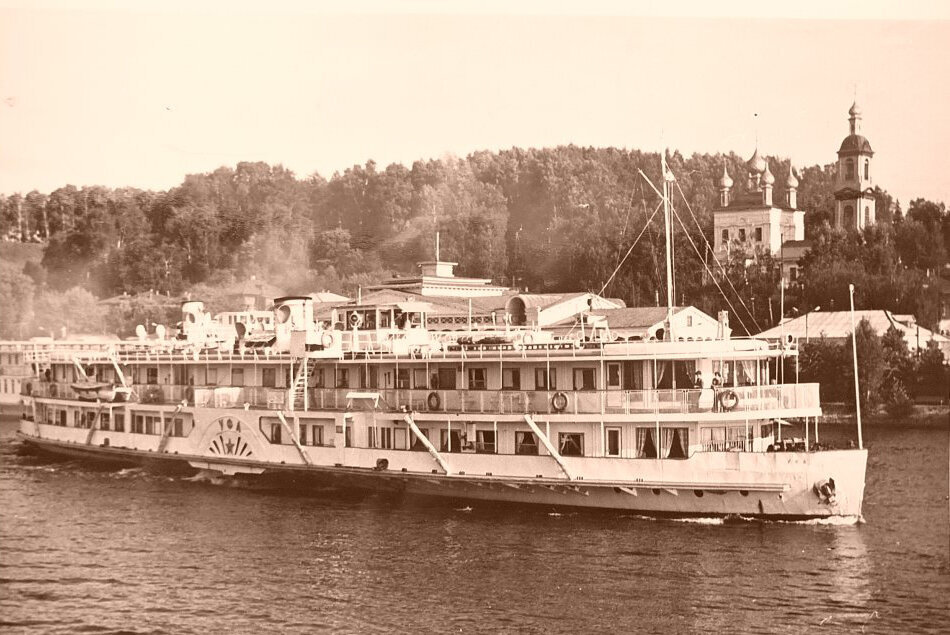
pixel 550 219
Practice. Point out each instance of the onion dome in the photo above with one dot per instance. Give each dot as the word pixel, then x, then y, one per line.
pixel 725 182
pixel 756 164
pixel 791 181
pixel 855 110
pixel 767 177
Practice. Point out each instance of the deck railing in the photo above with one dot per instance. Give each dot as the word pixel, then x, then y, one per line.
pixel 686 401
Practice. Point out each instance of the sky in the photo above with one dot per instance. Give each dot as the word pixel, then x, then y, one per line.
pixel 97 94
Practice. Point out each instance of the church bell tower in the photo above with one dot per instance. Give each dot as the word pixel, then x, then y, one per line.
pixel 854 189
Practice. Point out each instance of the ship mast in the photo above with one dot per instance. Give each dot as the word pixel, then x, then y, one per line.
pixel 668 222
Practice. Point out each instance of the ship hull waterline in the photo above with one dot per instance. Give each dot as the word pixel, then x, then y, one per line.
pixel 790 502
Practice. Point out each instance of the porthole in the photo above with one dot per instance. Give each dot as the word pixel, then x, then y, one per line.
pixel 744 492
pixel 698 493
pixel 656 491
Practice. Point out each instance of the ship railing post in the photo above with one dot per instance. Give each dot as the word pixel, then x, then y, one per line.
pixel 293 437
pixel 548 445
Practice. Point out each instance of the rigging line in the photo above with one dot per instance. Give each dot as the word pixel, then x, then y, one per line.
pixel 713 252
pixel 725 297
pixel 624 259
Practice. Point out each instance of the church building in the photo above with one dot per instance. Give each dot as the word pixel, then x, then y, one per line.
pixel 854 190
pixel 759 220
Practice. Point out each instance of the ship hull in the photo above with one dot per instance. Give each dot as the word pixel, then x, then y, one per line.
pixel 782 488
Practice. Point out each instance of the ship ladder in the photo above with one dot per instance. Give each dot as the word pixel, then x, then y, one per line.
pixel 550 446
pixel 94 424
pixel 428 444
pixel 293 437
pixel 166 427
pixel 298 394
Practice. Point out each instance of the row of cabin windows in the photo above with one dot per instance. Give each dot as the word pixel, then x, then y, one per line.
pixel 445 378
pixel 141 424
pixel 673 442
pixel 741 235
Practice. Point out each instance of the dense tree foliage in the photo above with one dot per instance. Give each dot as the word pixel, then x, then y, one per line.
pixel 557 219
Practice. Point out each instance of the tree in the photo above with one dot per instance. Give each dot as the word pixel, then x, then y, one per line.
pixel 870 366
pixel 68 313
pixel 16 298
pixel 898 372
pixel 932 373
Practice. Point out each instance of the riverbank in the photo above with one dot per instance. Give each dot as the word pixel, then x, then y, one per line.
pixel 923 416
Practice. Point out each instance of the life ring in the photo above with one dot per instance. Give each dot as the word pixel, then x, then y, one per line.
pixel 356 320
pixel 559 402
pixel 434 401
pixel 381 464
pixel 328 339
pixel 728 400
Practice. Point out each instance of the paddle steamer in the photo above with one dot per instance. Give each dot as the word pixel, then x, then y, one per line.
pixel 380 397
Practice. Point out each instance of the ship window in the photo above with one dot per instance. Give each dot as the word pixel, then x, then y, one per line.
pixel 485 441
pixel 151 375
pixel 419 378
pixel 646 445
pixel 584 379
pixel 371 437
pixel 476 379
pixel 138 424
pixel 178 428
pixel 613 442
pixel 675 442
pixel 402 378
pixel 269 377
pixel 570 444
pixel 510 379
pixel 275 434
pixel 342 377
pixel 545 379
pixel 446 379
pixel 302 434
pixel 450 441
pixel 417 444
pixel 316 379
pixel 104 421
pixel 119 422
pixel 613 375
pixel 526 443
pixel 316 435
pixel 62 418
pixel 212 375
pixel 386 438
pixel 237 376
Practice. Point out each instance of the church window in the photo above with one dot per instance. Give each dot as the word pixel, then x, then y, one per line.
pixel 867 216
pixel 849 169
pixel 867 169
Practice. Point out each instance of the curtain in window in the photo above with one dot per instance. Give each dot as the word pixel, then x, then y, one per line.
pixel 682 441
pixel 645 439
pixel 661 375
pixel 666 440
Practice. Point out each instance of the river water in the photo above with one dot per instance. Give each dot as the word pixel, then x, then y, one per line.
pixel 124 551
